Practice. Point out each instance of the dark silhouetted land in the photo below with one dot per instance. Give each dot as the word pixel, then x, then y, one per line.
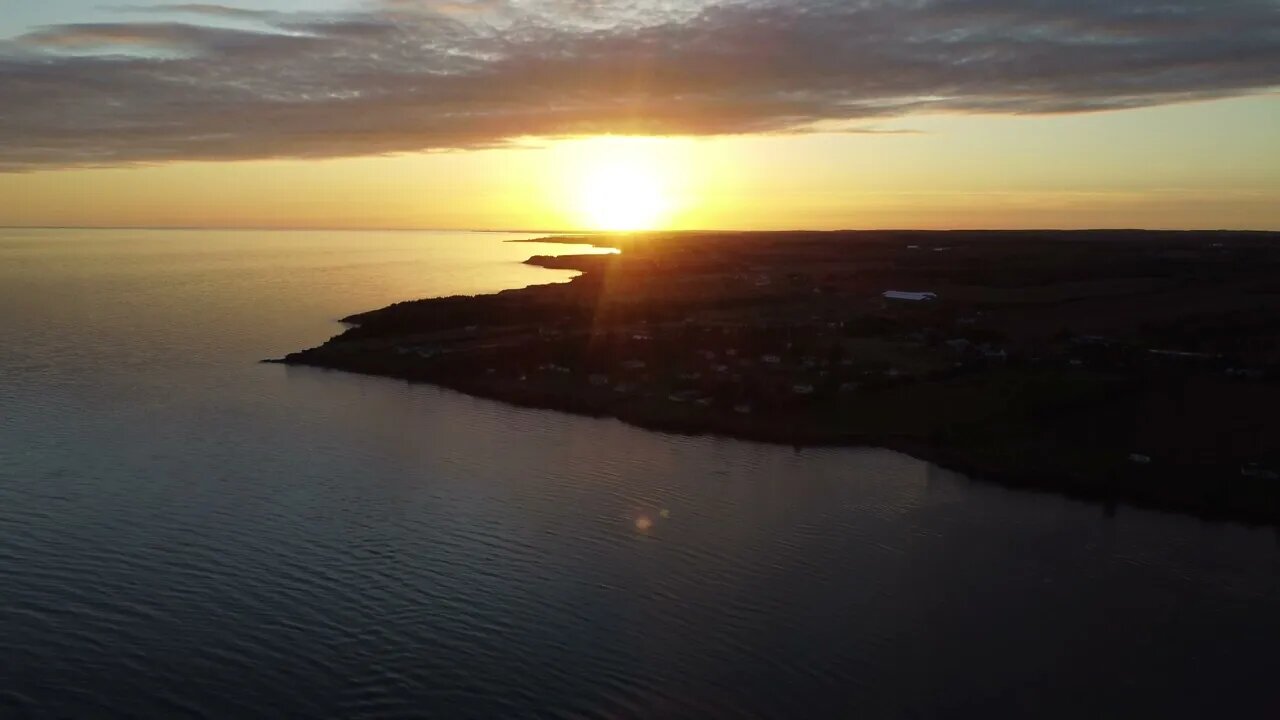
pixel 1123 366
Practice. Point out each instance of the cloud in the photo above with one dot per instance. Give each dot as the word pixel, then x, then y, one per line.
pixel 420 75
pixel 207 9
pixel 178 37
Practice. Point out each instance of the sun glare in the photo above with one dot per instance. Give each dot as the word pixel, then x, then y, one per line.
pixel 621 187
pixel 622 197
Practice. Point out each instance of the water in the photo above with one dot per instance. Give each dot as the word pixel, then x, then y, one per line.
pixel 187 533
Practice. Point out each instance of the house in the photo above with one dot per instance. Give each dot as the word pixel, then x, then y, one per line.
pixel 909 296
pixel 1258 472
pixel 991 352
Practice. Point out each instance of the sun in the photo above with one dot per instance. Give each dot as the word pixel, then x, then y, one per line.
pixel 621 187
pixel 622 197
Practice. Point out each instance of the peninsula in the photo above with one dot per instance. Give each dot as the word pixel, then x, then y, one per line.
pixel 1120 366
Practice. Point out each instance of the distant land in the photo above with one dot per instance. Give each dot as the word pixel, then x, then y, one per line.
pixel 1134 367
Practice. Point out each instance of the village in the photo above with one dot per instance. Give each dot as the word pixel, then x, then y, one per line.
pixel 763 365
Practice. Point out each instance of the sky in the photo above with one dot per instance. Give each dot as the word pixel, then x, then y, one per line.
pixel 586 114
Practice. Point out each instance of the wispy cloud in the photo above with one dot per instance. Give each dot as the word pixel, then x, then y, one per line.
pixel 411 75
pixel 195 39
pixel 206 9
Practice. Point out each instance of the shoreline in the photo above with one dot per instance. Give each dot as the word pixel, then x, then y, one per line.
pixel 533 324
pixel 949 459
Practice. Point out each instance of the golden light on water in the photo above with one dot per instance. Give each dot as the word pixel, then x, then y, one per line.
pixel 645 520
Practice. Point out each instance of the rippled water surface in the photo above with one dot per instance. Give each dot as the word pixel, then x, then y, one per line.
pixel 187 533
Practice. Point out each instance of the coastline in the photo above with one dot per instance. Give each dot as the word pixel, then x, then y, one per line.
pixel 388 343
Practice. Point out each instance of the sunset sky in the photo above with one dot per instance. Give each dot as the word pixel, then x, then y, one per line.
pixel 565 114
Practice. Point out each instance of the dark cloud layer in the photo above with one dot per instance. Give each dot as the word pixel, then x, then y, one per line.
pixel 411 75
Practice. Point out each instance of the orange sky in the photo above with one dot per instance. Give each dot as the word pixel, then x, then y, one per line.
pixel 496 114
pixel 1147 168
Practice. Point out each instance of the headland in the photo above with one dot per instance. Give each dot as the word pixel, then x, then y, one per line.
pixel 1127 367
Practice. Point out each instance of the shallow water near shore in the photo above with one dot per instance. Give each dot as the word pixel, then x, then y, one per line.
pixel 185 532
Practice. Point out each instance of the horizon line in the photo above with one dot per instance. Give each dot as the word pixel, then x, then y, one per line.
pixel 518 231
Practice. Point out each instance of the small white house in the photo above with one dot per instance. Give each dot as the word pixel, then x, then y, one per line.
pixel 909 296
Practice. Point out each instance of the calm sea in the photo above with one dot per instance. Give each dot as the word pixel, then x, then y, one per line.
pixel 187 533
